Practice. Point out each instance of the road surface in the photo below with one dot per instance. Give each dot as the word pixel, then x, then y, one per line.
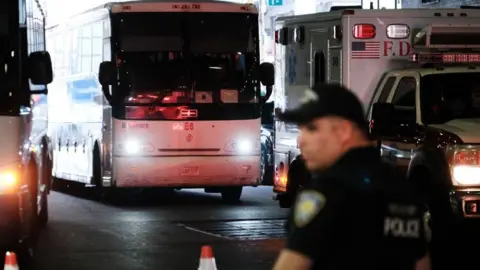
pixel 161 234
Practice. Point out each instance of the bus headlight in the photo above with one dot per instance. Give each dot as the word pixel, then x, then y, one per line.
pixel 243 146
pixel 133 147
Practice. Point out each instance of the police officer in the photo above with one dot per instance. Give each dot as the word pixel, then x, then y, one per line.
pixel 358 213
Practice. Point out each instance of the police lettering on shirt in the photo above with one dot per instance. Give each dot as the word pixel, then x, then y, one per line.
pixel 401 222
pixel 401 227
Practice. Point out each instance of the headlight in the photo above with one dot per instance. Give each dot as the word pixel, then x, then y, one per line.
pixel 133 147
pixel 465 165
pixel 465 175
pixel 9 180
pixel 243 146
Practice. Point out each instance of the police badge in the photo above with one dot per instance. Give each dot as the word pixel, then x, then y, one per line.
pixel 308 205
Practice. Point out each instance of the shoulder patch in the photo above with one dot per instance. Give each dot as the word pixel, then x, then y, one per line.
pixel 309 203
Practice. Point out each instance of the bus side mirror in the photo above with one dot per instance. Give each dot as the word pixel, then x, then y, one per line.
pixel 267 74
pixel 40 71
pixel 107 73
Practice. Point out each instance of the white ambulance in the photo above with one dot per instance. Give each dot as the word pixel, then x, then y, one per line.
pixel 417 71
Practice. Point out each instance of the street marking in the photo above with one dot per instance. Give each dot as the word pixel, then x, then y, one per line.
pixel 204 232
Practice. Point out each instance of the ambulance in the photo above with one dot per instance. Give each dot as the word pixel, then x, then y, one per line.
pixel 417 72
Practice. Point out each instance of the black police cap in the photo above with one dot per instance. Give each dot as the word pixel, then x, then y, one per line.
pixel 327 100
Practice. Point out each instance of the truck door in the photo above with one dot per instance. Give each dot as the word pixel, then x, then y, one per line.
pixel 334 61
pixel 318 63
pixel 399 148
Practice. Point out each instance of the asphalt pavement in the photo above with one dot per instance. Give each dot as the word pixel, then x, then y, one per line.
pixel 151 232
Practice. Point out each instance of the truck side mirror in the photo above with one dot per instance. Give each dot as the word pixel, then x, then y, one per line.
pixel 40 71
pixel 390 120
pixel 107 73
pixel 267 74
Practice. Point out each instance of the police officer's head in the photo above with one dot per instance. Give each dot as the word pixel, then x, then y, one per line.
pixel 331 121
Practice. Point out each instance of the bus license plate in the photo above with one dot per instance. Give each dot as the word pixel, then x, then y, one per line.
pixel 188 171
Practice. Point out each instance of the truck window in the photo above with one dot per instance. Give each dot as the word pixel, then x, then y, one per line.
pixel 319 75
pixel 449 96
pixel 405 92
pixel 387 88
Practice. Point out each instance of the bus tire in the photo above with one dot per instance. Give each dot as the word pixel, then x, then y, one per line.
pixel 97 174
pixel 232 194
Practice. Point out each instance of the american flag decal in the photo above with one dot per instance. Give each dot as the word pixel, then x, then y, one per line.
pixel 365 50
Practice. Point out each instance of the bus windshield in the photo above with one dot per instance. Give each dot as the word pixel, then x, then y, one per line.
pixel 196 58
pixel 4 41
pixel 446 97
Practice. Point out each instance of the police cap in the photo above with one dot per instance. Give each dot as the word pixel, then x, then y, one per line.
pixel 327 100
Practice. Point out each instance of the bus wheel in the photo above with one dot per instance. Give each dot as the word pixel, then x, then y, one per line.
pixel 232 194
pixel 97 175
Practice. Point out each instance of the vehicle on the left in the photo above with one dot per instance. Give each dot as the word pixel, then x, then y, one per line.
pixel 25 164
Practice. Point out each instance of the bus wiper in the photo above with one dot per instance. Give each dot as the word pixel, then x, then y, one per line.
pixel 157 101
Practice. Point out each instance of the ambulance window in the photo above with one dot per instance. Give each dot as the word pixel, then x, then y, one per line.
pixel 405 92
pixel 319 68
pixel 387 88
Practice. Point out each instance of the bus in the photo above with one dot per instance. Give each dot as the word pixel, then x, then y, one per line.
pixel 25 154
pixel 159 94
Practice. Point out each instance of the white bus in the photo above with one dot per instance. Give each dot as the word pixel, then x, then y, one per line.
pixel 177 102
pixel 25 162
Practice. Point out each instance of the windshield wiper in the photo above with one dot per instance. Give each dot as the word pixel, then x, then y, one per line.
pixel 157 101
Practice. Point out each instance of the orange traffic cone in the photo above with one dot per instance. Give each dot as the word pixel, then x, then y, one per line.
pixel 10 261
pixel 207 261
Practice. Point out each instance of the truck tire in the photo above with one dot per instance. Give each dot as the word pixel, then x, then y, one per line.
pixel 43 215
pixel 47 181
pixel 432 179
pixel 285 201
pixel 266 169
pixel 429 173
pixel 232 194
pixel 25 255
pixel 298 176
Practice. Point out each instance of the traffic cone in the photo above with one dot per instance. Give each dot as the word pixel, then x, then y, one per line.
pixel 10 261
pixel 207 261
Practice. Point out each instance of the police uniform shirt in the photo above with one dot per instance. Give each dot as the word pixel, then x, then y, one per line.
pixel 359 214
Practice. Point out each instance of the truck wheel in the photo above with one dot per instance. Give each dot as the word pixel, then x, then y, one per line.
pixel 25 255
pixel 441 218
pixel 232 194
pixel 43 215
pixel 285 201
pixel 265 169
pixel 298 176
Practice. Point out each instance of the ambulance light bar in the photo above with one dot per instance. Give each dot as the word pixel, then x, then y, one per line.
pixel 445 58
pixel 448 36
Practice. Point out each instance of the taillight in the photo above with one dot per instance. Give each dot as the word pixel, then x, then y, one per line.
pixel 277 36
pixel 467 157
pixel 364 31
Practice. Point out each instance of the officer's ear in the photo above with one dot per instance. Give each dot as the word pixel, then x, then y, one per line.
pixel 346 130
